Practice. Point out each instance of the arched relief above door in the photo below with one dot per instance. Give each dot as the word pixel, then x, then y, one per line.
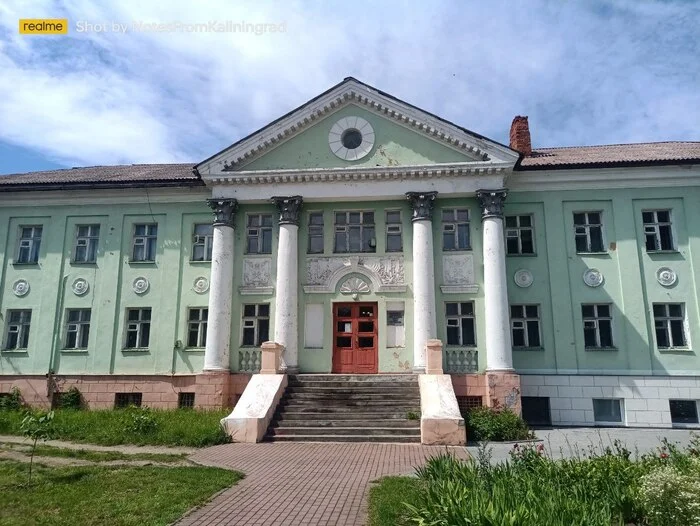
pixel 385 274
pixel 355 285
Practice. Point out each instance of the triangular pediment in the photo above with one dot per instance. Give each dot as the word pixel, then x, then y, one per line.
pixel 387 132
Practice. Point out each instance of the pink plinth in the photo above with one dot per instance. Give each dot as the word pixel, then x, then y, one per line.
pixel 433 357
pixel 271 358
pixel 503 390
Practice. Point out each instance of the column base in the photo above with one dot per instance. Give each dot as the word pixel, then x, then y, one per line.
pixel 503 390
pixel 419 370
pixel 213 390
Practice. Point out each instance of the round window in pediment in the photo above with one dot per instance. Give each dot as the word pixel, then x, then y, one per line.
pixel 351 138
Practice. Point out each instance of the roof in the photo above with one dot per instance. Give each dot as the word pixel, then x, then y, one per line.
pixel 612 155
pixel 121 176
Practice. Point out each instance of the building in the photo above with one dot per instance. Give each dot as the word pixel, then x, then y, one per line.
pixel 351 231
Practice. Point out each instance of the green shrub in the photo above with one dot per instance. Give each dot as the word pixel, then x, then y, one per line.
pixel 71 399
pixel 670 497
pixel 12 401
pixel 140 421
pixel 487 424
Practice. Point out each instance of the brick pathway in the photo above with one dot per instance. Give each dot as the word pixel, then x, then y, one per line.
pixel 303 483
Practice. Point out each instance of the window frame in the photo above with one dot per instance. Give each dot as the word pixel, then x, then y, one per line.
pixel 207 243
pixel 201 326
pixel 596 319
pixel 684 424
pixel 460 317
pixel 587 226
pixel 258 236
pixel 518 234
pixel 82 327
pixel 399 231
pixel 90 239
pixel 140 322
pixel 33 240
pixel 255 321
pixel 621 405
pixel 146 238
pixel 361 225
pixel 524 319
pixel 667 319
pixel 23 330
pixel 455 223
pixel 313 229
pixel 656 225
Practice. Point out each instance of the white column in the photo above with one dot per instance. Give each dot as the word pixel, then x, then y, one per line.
pixel 424 323
pixel 287 285
pixel 499 351
pixel 216 354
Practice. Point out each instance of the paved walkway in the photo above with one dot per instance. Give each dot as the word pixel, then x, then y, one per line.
pixel 303 483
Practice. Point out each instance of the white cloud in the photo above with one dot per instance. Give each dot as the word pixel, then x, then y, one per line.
pixel 585 73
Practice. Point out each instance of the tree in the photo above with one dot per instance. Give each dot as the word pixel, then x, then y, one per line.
pixel 36 426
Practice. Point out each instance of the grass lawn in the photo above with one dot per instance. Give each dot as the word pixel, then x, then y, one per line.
pixel 108 496
pixel 102 456
pixel 386 500
pixel 184 427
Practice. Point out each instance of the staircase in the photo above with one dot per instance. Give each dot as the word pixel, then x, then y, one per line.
pixel 348 408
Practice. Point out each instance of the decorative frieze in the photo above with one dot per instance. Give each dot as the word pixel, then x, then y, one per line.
pixel 224 211
pixel 491 202
pixel 257 276
pixel 458 274
pixel 386 274
pixel 422 205
pixel 289 209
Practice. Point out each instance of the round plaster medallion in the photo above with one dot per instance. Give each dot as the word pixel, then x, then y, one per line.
pixel 593 277
pixel 351 138
pixel 523 278
pixel 201 285
pixel 20 287
pixel 140 285
pixel 666 276
pixel 80 287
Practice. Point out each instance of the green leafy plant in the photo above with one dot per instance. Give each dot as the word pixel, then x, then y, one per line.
pixel 11 401
pixel 412 415
pixel 670 497
pixel 140 421
pixel 488 424
pixel 36 425
pixel 71 399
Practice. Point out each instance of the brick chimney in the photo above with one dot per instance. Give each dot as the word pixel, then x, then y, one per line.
pixel 520 136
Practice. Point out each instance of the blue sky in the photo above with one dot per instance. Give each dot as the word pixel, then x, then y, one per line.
pixel 585 72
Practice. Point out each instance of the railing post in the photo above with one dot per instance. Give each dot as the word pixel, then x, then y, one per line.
pixel 433 351
pixel 271 357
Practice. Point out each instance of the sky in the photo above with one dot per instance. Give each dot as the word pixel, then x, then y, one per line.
pixel 585 72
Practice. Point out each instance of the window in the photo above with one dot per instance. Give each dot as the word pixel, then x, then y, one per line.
pixel 259 234
pixel 607 410
pixel 519 235
pixel 29 244
pixel 202 242
pixel 185 400
pixel 657 230
pixel 683 411
pixel 455 229
pixel 669 321
pixel 588 231
pixel 197 327
pixel 86 239
pixel 138 328
pixel 467 403
pixel 597 326
pixel 122 400
pixel 394 242
pixel 256 324
pixel 77 329
pixel 315 233
pixel 17 332
pixel 536 410
pixel 354 232
pixel 145 237
pixel 460 324
pixel 525 325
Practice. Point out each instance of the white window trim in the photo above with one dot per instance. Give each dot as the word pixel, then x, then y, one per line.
pixel 518 229
pixel 139 335
pixel 603 238
pixel 595 320
pixel 144 242
pixel 454 224
pixel 79 332
pixel 207 242
pixel 31 240
pixel 258 236
pixel 667 318
pixel 201 323
pixel 255 325
pixel 657 234
pixel 460 317
pixel 22 328
pixel 90 238
pixel 362 226
pixel 623 414
pixel 524 320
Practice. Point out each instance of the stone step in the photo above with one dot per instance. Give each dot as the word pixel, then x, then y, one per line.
pixel 336 423
pixel 329 384
pixel 319 414
pixel 352 395
pixel 391 439
pixel 412 390
pixel 376 403
pixel 344 431
pixel 383 378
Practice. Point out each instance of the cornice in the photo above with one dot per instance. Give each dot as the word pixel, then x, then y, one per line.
pixel 370 173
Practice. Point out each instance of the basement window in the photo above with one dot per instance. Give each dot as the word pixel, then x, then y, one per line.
pixel 185 400
pixel 122 400
pixel 683 411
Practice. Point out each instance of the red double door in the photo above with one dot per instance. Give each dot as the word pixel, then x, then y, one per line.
pixel 355 338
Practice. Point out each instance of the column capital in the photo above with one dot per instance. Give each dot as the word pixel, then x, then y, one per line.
pixel 224 211
pixel 421 204
pixel 289 209
pixel 491 202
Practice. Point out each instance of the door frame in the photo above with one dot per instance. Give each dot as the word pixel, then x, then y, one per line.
pixel 355 335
